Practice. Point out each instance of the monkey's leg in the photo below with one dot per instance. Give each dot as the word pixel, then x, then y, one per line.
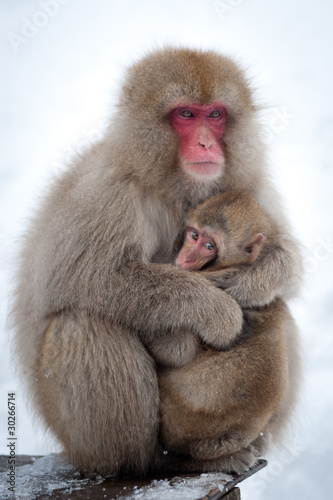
pixel 233 453
pixel 98 392
pixel 215 408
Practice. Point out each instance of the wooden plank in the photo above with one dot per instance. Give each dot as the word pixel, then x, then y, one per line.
pixel 215 494
pixel 109 489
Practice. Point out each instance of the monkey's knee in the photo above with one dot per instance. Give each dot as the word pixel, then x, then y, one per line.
pixel 175 349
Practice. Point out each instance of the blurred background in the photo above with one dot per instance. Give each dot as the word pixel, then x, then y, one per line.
pixel 62 62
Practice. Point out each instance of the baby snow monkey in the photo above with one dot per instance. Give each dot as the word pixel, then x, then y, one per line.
pixel 217 407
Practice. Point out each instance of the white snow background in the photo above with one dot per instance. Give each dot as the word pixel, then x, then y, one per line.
pixel 61 64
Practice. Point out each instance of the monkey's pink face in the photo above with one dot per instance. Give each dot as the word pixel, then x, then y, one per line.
pixel 200 130
pixel 198 249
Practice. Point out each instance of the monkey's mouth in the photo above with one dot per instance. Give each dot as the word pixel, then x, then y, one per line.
pixel 204 163
pixel 208 169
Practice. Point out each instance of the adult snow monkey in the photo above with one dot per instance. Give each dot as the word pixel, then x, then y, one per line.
pixel 96 279
pixel 215 404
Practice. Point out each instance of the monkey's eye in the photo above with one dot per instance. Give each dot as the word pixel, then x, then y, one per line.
pixel 215 114
pixel 194 235
pixel 209 246
pixel 186 113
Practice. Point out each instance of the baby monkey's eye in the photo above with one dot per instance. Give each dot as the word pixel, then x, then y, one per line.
pixel 209 246
pixel 194 235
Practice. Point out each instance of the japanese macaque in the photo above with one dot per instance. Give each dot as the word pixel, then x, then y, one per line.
pixel 226 230
pixel 225 234
pixel 96 280
pixel 215 404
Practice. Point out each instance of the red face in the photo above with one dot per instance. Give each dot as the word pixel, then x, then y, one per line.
pixel 200 129
pixel 198 249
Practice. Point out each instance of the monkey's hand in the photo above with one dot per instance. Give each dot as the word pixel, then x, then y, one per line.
pixel 221 279
pixel 276 273
pixel 152 298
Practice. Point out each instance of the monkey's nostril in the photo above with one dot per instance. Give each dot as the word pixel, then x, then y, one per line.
pixel 205 144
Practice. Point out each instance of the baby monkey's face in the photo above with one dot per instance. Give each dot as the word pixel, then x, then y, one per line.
pixel 201 245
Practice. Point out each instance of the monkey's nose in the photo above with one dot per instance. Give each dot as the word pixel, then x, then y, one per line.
pixel 205 143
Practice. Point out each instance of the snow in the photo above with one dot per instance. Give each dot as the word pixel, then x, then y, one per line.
pixel 43 476
pixel 54 472
pixel 59 81
pixel 181 488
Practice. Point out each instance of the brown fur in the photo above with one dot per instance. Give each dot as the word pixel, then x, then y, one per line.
pixel 214 405
pixel 96 275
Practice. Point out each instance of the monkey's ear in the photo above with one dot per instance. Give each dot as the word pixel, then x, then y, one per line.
pixel 253 247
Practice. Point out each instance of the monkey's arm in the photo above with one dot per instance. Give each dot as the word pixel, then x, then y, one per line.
pixel 154 298
pixel 103 268
pixel 276 273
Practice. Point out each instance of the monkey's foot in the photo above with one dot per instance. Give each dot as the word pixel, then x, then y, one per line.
pixel 212 449
pixel 233 463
